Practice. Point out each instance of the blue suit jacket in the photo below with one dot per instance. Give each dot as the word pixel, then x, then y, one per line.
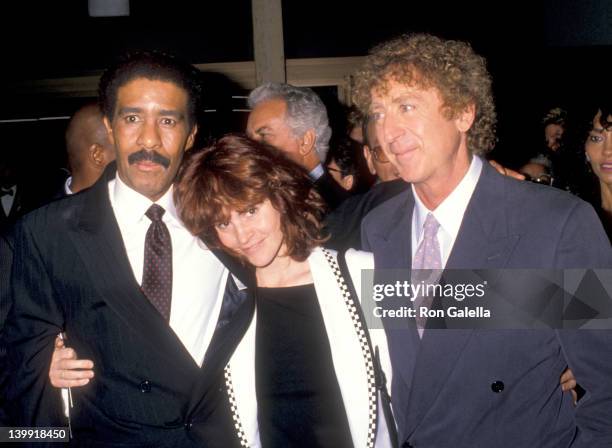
pixel 446 387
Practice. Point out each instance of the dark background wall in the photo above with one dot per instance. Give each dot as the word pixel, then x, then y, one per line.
pixel 541 53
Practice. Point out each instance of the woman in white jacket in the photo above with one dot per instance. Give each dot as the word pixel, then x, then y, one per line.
pixel 308 371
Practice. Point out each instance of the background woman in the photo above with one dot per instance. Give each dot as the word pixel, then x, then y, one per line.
pixel 598 149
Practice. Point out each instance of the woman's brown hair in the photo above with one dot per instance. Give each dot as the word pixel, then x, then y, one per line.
pixel 235 173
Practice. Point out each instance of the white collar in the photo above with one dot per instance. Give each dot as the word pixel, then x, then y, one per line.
pixel 449 213
pixel 316 172
pixel 67 185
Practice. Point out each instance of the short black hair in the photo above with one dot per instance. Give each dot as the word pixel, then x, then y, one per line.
pixel 345 153
pixel 155 66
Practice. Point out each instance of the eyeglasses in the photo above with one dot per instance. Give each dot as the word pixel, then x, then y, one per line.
pixel 544 179
pixel 379 154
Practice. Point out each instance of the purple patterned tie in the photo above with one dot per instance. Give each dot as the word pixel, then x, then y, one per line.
pixel 426 265
pixel 157 272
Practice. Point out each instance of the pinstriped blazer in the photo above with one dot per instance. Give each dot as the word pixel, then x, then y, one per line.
pixel 71 273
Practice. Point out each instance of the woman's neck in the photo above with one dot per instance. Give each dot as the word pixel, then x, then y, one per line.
pixel 282 272
pixel 606 196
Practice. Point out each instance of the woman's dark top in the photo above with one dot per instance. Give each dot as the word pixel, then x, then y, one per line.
pixel 606 221
pixel 298 396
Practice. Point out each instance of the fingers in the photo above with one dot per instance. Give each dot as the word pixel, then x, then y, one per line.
pixel 568 385
pixel 75 374
pixel 514 174
pixel 500 169
pixel 574 396
pixel 76 364
pixel 59 342
pixel 72 376
pixel 68 371
pixel 506 171
pixel 63 353
pixel 568 382
pixel 59 383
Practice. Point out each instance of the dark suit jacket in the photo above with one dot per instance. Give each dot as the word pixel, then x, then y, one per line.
pixel 71 273
pixel 6 263
pixel 484 388
pixel 344 223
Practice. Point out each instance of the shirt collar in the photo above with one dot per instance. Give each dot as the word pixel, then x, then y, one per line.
pixel 130 206
pixel 67 185
pixel 449 213
pixel 316 172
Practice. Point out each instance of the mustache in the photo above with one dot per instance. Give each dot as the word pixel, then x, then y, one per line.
pixel 148 156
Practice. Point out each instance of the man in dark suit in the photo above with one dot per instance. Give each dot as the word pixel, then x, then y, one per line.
pixel 432 104
pixel 294 120
pixel 159 328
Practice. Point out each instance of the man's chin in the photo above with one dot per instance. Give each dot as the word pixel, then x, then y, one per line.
pixel 152 190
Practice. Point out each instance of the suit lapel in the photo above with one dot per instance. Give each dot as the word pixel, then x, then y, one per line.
pixel 235 317
pixel 393 244
pixel 98 241
pixel 392 237
pixel 483 242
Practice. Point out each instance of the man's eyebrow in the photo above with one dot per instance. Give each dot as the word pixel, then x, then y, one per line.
pixel 172 113
pixel 407 96
pixel 129 110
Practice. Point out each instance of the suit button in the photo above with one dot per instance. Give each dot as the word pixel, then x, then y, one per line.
pixel 497 386
pixel 188 426
pixel 145 387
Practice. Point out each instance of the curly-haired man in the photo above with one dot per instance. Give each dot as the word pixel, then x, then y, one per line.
pixel 432 106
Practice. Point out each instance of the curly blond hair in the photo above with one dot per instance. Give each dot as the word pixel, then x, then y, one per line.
pixel 426 61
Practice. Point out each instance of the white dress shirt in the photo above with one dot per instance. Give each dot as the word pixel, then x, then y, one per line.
pixel 198 277
pixel 449 213
pixel 8 200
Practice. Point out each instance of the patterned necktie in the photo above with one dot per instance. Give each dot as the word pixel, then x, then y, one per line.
pixel 427 262
pixel 157 272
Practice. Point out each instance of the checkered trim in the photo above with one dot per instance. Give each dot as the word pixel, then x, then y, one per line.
pixel 234 408
pixel 364 342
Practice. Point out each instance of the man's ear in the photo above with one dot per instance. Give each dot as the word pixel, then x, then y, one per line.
pixel 109 129
pixel 465 119
pixel 307 142
pixel 367 154
pixel 191 138
pixel 348 181
pixel 96 155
